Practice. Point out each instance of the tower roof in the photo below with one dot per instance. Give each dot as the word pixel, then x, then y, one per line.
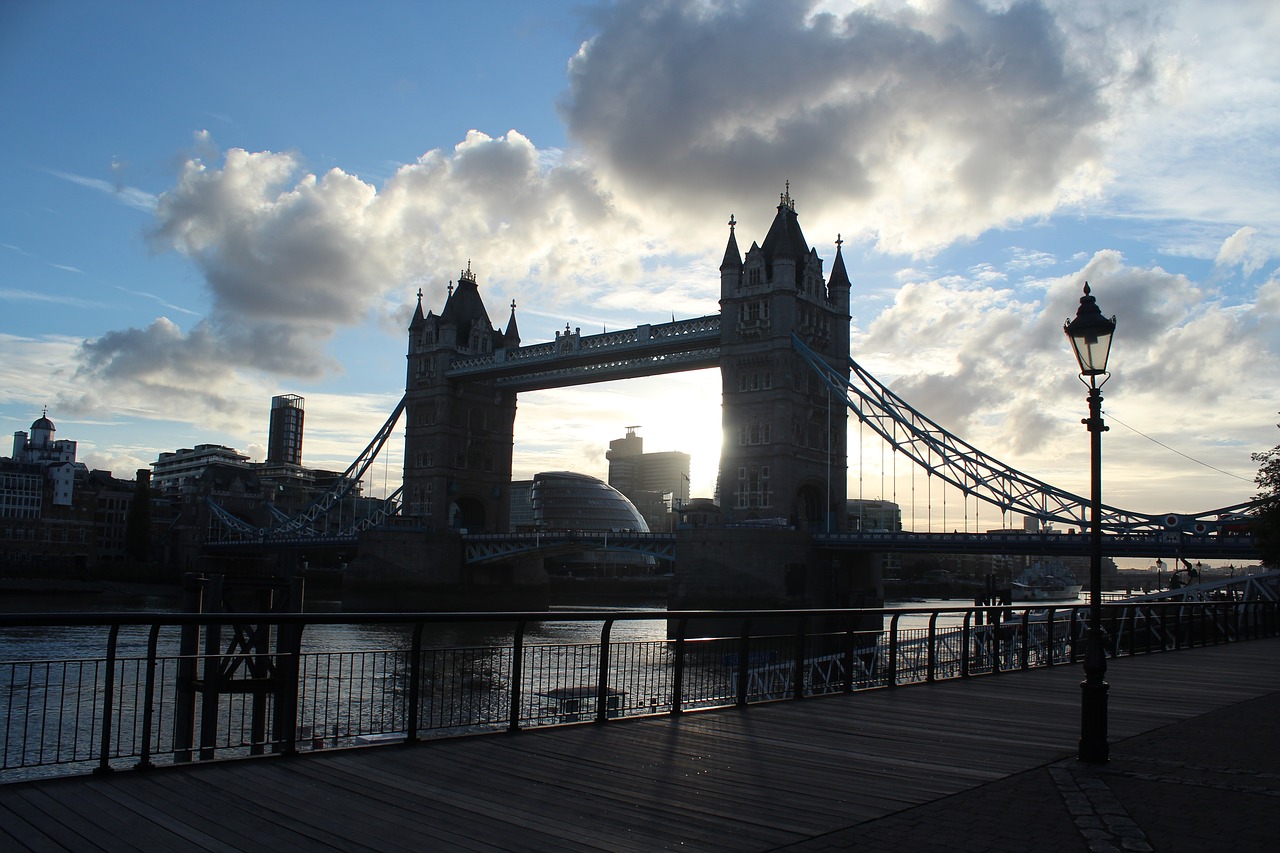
pixel 839 276
pixel 785 239
pixel 511 338
pixel 464 308
pixel 43 422
pixel 732 257
pixel 418 318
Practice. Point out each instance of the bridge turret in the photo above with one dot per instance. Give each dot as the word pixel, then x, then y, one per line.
pixel 731 266
pixel 838 287
pixel 458 437
pixel 783 454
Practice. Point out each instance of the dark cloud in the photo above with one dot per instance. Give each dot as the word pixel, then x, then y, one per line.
pixel 925 125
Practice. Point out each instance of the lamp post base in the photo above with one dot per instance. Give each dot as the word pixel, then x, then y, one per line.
pixel 1093 747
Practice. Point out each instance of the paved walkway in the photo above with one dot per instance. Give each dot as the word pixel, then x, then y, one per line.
pixel 980 765
pixel 1205 784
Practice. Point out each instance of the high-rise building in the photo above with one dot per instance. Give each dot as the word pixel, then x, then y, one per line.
pixel 657 483
pixel 284 442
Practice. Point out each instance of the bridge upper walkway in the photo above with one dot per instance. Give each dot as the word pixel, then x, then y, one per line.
pixel 986 763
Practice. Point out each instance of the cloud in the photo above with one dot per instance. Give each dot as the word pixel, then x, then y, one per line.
pixel 1188 369
pixel 924 123
pixel 290 258
pixel 130 196
pixel 1242 250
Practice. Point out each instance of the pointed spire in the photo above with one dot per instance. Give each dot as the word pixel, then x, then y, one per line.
pixel 732 257
pixel 839 276
pixel 418 318
pixel 511 337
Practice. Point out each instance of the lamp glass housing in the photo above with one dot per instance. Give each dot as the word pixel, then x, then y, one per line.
pixel 1090 335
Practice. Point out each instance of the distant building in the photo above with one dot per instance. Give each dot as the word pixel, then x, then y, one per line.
pixel 58 518
pixel 562 500
pixel 867 515
pixel 55 459
pixel 174 470
pixel 522 506
pixel 656 483
pixel 284 441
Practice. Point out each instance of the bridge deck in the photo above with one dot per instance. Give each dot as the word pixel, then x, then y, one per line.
pixel 832 771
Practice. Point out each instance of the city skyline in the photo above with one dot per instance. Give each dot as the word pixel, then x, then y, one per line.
pixel 203 214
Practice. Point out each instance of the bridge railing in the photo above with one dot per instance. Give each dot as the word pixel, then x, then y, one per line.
pixel 133 690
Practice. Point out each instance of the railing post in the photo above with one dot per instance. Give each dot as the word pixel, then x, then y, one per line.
pixel 108 698
pixel 415 684
pixel 893 650
pixel 515 678
pixel 850 642
pixel 149 693
pixel 1024 651
pixel 797 686
pixel 1050 624
pixel 602 680
pixel 964 644
pixel 288 677
pixel 931 649
pixel 677 674
pixel 744 654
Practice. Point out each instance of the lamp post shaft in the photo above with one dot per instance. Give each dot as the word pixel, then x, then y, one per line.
pixel 1093 700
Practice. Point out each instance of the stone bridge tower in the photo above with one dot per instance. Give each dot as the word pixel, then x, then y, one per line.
pixel 459 435
pixel 784 453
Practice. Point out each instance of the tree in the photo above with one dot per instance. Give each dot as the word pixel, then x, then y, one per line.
pixel 1266 524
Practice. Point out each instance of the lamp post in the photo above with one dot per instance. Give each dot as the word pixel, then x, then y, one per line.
pixel 1090 334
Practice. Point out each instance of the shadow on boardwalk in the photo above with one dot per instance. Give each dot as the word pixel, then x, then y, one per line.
pixel 985 764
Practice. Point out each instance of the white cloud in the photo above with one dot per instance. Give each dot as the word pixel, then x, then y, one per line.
pixel 1241 249
pixel 1188 370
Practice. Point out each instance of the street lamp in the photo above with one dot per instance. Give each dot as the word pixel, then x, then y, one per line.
pixel 1090 334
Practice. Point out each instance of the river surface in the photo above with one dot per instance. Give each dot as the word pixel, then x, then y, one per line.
pixel 71 643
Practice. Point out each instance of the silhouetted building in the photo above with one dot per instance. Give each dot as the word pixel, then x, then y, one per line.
pixel 58 518
pixel 656 483
pixel 284 441
pixel 174 469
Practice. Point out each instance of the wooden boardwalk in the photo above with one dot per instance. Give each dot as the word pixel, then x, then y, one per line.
pixel 750 779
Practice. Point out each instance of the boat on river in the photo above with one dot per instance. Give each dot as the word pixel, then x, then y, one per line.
pixel 1045 581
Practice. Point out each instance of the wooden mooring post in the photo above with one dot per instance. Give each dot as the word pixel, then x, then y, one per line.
pixel 244 665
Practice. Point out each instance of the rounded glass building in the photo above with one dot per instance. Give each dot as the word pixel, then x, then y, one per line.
pixel 563 500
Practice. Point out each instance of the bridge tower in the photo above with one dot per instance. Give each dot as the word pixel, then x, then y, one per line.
pixel 783 453
pixel 459 435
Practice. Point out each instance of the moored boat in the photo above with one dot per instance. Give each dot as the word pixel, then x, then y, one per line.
pixel 1042 581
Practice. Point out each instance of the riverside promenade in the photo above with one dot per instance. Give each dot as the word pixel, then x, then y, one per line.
pixel 965 765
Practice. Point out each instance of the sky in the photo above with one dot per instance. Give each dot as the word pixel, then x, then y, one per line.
pixel 205 206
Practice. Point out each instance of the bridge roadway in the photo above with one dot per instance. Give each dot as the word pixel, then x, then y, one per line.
pixel 487 547
pixel 984 764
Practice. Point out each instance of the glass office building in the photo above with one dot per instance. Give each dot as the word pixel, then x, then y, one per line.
pixel 563 500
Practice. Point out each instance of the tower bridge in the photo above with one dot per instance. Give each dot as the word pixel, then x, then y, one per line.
pixel 788 387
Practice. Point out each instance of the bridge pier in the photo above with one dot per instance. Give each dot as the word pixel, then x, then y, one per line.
pixel 413 569
pixel 762 568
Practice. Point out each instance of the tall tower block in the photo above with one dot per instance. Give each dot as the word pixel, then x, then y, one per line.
pixel 284 441
pixel 783 452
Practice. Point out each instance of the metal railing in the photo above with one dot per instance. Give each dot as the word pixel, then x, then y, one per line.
pixel 296 683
